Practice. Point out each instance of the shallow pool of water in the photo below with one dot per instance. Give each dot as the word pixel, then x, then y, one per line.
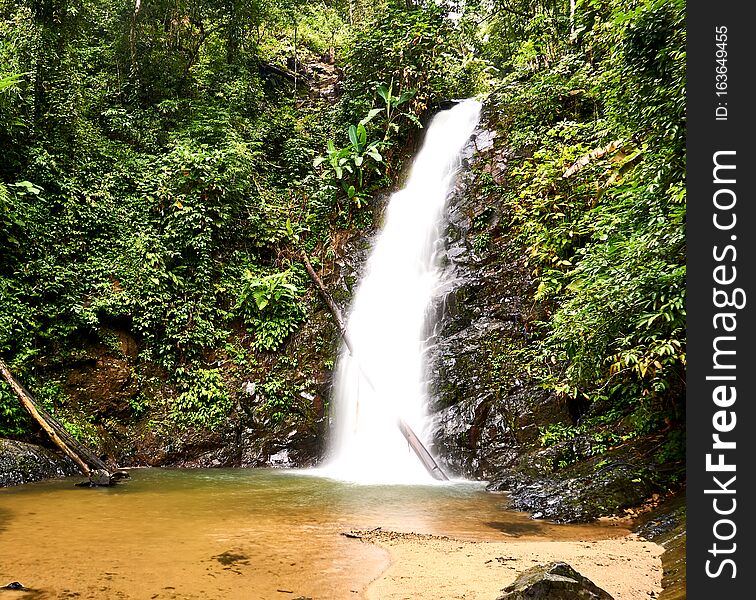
pixel 233 533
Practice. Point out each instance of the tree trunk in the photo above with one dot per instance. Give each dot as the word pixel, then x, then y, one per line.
pixel 133 34
pixel 295 62
pixel 572 18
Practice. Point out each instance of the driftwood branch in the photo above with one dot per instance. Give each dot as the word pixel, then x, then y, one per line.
pixel 591 156
pixel 422 452
pixel 414 442
pixel 332 306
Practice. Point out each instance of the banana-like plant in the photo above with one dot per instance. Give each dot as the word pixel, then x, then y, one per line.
pixel 354 158
pixel 392 103
pixel 348 164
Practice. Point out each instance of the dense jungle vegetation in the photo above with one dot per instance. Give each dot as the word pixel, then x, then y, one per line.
pixel 163 164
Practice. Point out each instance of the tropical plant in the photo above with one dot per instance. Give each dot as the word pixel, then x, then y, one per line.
pixel 204 400
pixel 392 104
pixel 270 306
pixel 352 160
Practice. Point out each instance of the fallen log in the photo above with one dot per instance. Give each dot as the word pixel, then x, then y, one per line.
pixel 28 403
pixel 414 442
pixel 332 306
pixel 89 464
pixel 266 67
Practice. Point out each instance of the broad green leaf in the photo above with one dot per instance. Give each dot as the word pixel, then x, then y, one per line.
pixel 404 96
pixel 371 115
pixel 28 187
pixel 361 134
pixel 384 92
pixel 374 154
pixel 353 136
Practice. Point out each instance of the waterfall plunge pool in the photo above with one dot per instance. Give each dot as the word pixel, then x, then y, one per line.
pixel 234 533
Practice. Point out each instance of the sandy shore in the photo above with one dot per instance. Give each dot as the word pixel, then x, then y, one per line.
pixel 439 568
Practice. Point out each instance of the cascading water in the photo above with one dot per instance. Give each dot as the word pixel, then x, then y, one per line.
pixel 384 380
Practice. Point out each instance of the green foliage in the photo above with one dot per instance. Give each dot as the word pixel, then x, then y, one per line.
pixel 348 164
pixel 9 81
pixel 142 176
pixel 139 405
pixel 481 242
pixel 14 420
pixel 278 399
pixel 82 430
pixel 600 433
pixel 401 45
pixel 155 176
pixel 600 202
pixel 204 400
pixel 392 103
pixel 270 306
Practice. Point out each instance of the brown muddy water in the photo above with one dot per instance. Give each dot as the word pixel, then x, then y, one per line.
pixel 233 534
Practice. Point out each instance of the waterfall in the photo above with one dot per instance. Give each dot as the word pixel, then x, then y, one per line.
pixel 385 378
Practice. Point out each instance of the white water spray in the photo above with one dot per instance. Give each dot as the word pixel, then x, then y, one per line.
pixel 385 378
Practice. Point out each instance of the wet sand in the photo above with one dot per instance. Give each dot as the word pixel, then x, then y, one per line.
pixel 439 568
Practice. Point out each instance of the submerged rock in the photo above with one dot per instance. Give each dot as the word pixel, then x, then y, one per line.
pixel 553 581
pixel 23 463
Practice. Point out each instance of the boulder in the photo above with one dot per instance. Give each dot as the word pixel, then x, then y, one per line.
pixel 553 581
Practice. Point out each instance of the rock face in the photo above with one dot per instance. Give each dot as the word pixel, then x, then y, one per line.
pixel 487 404
pixel 553 581
pixel 23 463
pixel 484 407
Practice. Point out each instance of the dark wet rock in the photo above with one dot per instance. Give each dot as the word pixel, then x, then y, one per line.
pixel 283 445
pixel 553 581
pixel 323 78
pixel 183 447
pixel 23 463
pixel 590 487
pixel 487 408
pixel 107 376
pixel 329 56
pixel 103 478
pixel 484 408
pixel 14 585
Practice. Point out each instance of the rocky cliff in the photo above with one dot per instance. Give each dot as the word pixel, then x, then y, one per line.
pixel 488 406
